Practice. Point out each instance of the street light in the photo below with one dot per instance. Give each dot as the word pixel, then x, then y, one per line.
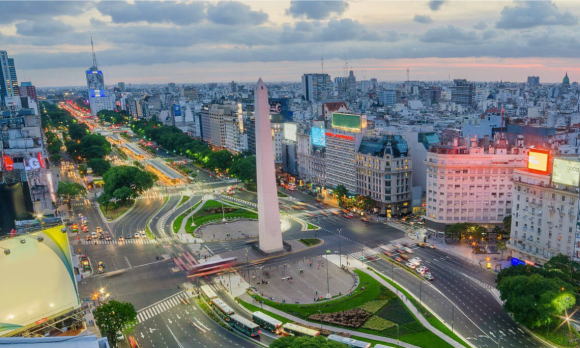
pixel 500 337
pixel 397 334
pixel 340 245
pixel 319 311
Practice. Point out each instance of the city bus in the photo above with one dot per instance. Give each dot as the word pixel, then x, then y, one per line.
pixel 267 322
pixel 297 330
pixel 222 308
pixel 244 325
pixel 349 342
pixel 207 293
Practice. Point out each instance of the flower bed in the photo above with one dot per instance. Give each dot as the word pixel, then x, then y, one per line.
pixel 349 318
pixel 378 324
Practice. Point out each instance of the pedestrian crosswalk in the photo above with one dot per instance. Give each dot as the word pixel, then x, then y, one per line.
pixel 160 307
pixel 131 241
pixel 365 253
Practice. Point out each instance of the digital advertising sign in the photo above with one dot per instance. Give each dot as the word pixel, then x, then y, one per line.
pixel 346 121
pixel 566 172
pixel 176 110
pixel 538 161
pixel 318 136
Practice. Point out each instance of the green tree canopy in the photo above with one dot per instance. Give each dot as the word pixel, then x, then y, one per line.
pixel 77 131
pixel 128 176
pixel 244 169
pixel 340 192
pixel 507 225
pixel 70 189
pixel 113 316
pixel 99 166
pixel 94 146
pixel 219 160
pixel 123 194
pixel 305 342
pixel 466 230
pixel 534 299
pixel 568 269
pixel 104 200
pixel 114 117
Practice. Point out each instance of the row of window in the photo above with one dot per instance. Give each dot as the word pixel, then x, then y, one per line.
pixel 471 170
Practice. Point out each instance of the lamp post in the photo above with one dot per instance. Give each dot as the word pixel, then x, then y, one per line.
pixel 397 334
pixel 327 281
pixel 452 316
pixel 340 245
pixel 500 337
pixel 248 268
pixel 319 311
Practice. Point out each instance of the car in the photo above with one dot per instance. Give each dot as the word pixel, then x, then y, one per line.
pixel 80 215
pixel 100 270
pixel 397 245
pixel 398 259
pixel 410 265
pixel 101 236
pixel 128 236
pixel 240 188
pixel 371 258
pixel 429 276
pixel 121 238
pixel 416 260
pixel 400 251
pixel 136 235
pixel 422 269
pixel 422 245
pixel 388 253
pixel 108 238
pixel 408 250
pixel 404 257
pixel 366 220
pixel 88 237
pixel 84 258
pixel 407 244
pixel 347 216
pixel 101 264
pixel 93 234
pixel 99 229
pixel 143 235
pixel 85 228
pixel 431 246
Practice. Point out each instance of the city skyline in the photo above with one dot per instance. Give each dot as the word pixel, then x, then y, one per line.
pixel 198 42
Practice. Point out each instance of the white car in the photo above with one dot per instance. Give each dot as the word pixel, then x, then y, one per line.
pixel 421 269
pixel 397 245
pixel 94 235
pixel 136 235
pixel 410 265
pixel 416 261
pixel 408 250
pixel 143 235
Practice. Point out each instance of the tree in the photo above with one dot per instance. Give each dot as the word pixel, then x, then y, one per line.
pixel 466 230
pixel 99 166
pixel 244 169
pixel 219 160
pixel 534 299
pixel 114 316
pixel 55 158
pixel 570 270
pixel 507 226
pixel 70 189
pixel 104 200
pixel 77 131
pixel 501 246
pixel 94 146
pixel 305 342
pixel 128 176
pixel 82 169
pixel 340 192
pixel 123 194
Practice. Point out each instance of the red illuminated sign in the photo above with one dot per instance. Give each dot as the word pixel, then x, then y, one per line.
pixel 8 163
pixel 40 160
pixel 43 320
pixel 340 136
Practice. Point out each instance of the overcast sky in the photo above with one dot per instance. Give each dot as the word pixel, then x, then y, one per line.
pixel 196 42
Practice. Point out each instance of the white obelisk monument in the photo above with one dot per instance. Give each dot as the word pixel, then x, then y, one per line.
pixel 270 233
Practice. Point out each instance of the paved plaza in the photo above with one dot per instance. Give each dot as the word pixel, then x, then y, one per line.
pixel 240 229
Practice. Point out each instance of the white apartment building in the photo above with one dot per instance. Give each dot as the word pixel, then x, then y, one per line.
pixel 236 140
pixel 217 125
pixel 545 215
pixel 277 137
pixel 383 172
pixel 342 142
pixel 471 183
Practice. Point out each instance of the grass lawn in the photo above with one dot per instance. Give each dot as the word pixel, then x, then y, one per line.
pixel 112 214
pixel 183 200
pixel 428 315
pixel 280 194
pixel 560 334
pixel 177 223
pixel 147 230
pixel 254 308
pixel 310 241
pixel 311 227
pixel 204 215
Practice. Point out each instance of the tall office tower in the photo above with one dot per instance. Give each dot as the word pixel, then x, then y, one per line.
pixel 388 97
pixel 98 99
pixel 463 92
pixel 121 86
pixel 533 80
pixel 269 231
pixel 28 90
pixel 316 87
pixel 8 80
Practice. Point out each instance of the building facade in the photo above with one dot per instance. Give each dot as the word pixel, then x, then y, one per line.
pixel 311 157
pixel 8 79
pixel 463 92
pixel 316 87
pixel 471 183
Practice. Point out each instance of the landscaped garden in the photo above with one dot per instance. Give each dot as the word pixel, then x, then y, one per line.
pixel 214 211
pixel 310 241
pixel 371 308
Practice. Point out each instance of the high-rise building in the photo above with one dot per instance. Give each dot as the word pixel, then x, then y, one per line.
pixel 28 90
pixel 533 80
pixel 98 99
pixel 463 92
pixel 8 79
pixel 545 209
pixel 121 86
pixel 342 142
pixel 471 183
pixel 316 87
pixel 388 97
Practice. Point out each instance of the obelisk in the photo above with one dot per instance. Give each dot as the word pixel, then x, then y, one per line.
pixel 270 233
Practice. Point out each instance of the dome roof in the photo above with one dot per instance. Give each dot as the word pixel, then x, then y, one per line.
pixel 566 80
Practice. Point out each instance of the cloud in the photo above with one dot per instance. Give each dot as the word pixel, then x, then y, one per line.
pixel 435 5
pixel 153 11
pixel 97 23
pixel 316 9
pixel 531 14
pixel 425 19
pixel 481 25
pixel 335 30
pixel 15 11
pixel 235 13
pixel 46 27
pixel 449 34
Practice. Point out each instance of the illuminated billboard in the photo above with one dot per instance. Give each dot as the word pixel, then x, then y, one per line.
pixel 566 172
pixel 538 161
pixel 290 130
pixel 346 121
pixel 176 110
pixel 318 136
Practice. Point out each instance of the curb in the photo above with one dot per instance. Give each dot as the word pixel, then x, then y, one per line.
pixel 147 225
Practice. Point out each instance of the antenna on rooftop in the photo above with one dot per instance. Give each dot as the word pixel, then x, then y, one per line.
pixel 407 74
pixel 94 55
pixel 322 63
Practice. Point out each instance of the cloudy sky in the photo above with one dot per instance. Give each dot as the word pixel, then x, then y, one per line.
pixel 194 41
